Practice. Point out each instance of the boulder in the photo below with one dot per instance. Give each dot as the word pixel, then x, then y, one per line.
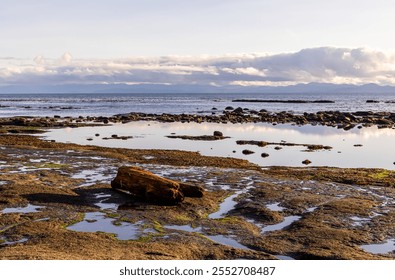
pixel 149 187
pixel 218 133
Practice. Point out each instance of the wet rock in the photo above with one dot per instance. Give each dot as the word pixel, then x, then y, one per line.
pixel 318 147
pixel 371 101
pixel 229 108
pixel 251 142
pixel 152 188
pixel 278 148
pixel 114 136
pixel 238 110
pixel 264 155
pixel 218 133
pixel 282 101
pixel 306 162
pixel 197 138
pixel 247 152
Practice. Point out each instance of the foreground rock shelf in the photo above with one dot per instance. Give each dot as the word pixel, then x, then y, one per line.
pixel 244 211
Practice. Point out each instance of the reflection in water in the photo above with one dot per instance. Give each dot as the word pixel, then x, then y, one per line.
pixel 6 243
pixel 287 222
pixel 382 248
pixel 228 204
pixel 376 149
pixel 30 208
pixel 225 240
pixel 98 222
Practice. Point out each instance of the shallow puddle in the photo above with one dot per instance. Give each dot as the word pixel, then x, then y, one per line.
pixel 359 221
pixel 186 228
pixel 381 248
pixel 282 257
pixel 228 204
pixel 220 239
pixel 6 243
pixel 275 207
pixel 102 204
pixel 225 240
pixel 94 176
pixel 376 149
pixel 30 208
pixel 98 222
pixel 287 222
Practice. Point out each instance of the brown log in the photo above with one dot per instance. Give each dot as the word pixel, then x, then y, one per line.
pixel 152 188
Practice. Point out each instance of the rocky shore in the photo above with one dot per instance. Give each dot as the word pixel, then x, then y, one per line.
pixel 49 189
pixel 341 120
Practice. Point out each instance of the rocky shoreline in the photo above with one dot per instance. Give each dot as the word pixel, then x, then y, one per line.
pixel 341 120
pixel 247 212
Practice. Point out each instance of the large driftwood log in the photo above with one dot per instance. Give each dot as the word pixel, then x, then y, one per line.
pixel 150 187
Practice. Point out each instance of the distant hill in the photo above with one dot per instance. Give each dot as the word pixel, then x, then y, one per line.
pixel 318 88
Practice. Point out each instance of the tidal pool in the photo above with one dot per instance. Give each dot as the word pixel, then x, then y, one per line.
pixel 282 225
pixel 98 222
pixel 382 248
pixel 366 147
pixel 30 208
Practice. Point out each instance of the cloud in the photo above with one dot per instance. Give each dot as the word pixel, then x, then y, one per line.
pixel 325 64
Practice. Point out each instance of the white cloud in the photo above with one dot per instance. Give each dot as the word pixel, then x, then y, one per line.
pixel 326 64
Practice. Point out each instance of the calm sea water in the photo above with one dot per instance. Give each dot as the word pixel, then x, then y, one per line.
pixel 110 104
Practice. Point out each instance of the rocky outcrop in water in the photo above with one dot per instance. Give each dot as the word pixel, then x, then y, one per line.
pixel 341 120
pixel 149 187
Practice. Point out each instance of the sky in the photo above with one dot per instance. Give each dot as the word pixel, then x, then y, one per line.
pixel 216 42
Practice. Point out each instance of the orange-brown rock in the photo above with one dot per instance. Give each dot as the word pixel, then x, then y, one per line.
pixel 152 188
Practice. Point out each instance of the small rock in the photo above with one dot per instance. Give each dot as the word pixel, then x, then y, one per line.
pixel 97 134
pixel 306 162
pixel 277 148
pixel 247 152
pixel 229 108
pixel 238 110
pixel 218 133
pixel 264 155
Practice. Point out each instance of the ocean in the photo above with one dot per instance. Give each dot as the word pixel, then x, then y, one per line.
pixel 109 104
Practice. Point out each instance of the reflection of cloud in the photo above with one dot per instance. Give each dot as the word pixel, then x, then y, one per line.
pixel 325 64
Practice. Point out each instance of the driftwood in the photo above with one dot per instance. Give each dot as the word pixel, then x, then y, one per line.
pixel 149 187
